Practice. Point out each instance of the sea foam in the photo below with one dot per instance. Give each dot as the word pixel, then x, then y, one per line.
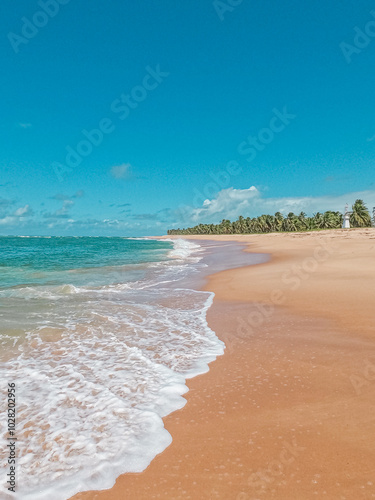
pixel 96 370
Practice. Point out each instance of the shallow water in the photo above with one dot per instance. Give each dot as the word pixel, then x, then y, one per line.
pixel 99 335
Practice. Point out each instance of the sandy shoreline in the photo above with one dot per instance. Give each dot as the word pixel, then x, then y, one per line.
pixel 288 411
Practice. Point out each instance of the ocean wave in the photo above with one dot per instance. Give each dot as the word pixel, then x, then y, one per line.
pixel 185 250
pixel 97 368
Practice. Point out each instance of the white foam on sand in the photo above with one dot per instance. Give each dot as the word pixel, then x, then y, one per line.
pixel 95 373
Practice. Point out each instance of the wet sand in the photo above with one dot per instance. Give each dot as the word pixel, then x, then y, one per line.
pixel 289 411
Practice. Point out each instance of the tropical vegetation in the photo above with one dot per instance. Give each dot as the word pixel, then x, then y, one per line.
pixel 359 217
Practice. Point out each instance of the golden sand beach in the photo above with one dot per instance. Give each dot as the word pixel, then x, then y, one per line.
pixel 288 412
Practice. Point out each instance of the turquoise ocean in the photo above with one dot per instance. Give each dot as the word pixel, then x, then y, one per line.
pixel 99 335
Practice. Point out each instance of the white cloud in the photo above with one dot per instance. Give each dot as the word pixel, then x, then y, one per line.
pixel 25 125
pixel 121 171
pixel 16 216
pixel 22 211
pixel 67 204
pixel 6 221
pixel 62 197
pixel 230 203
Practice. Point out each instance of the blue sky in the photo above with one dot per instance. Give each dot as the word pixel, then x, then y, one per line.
pixel 207 110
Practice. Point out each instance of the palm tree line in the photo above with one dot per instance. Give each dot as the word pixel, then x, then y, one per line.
pixel 359 217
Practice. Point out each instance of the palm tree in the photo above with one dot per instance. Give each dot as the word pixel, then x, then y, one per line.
pixel 302 221
pixel 250 225
pixel 227 226
pixel 260 224
pixel 270 223
pixel 318 220
pixel 329 220
pixel 360 216
pixel 291 222
pixel 242 224
pixel 279 218
pixel 310 223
